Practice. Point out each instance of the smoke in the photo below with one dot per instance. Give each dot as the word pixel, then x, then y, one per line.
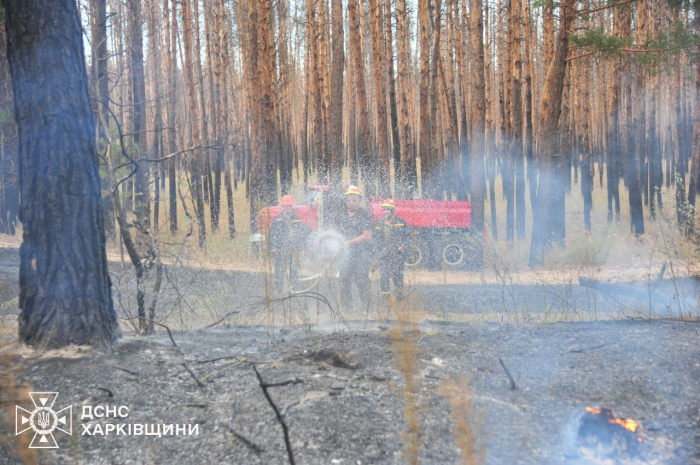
pixel 326 250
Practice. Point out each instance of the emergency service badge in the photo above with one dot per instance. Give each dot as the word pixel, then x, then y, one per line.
pixel 43 420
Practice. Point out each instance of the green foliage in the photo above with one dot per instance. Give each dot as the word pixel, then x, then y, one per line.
pixel 596 39
pixel 543 4
pixel 655 54
pixel 674 41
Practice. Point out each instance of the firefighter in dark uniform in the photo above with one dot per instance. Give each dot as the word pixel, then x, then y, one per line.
pixel 355 224
pixel 287 235
pixel 391 236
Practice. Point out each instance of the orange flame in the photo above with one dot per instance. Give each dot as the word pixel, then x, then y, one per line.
pixel 626 423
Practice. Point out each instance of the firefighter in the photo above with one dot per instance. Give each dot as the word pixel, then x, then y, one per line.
pixel 355 224
pixel 391 236
pixel 287 234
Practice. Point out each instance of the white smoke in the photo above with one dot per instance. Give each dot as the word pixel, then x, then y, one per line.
pixel 326 250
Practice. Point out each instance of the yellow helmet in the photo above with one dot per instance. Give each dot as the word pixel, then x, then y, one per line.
pixel 354 190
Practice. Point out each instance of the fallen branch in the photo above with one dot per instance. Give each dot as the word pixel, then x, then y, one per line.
pixel 513 387
pixel 155 323
pixel 288 406
pixel 127 371
pixel 220 320
pixel 248 442
pixel 189 370
pixel 242 359
pixel 280 418
pixel 574 350
pixel 225 367
pixel 109 393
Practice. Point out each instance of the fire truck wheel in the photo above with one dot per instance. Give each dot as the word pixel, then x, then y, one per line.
pixel 417 254
pixel 453 254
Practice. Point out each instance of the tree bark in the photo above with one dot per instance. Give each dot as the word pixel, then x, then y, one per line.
pixel 365 160
pixel 424 117
pixel 478 116
pixel 378 53
pixel 550 188
pixel 186 10
pixel 407 169
pixel 65 290
pixel 142 198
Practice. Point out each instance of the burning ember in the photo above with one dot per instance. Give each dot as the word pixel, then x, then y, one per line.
pixel 599 428
pixel 626 423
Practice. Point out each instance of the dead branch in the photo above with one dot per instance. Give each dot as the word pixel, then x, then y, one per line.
pixel 155 323
pixel 109 393
pixel 220 320
pixel 513 387
pixel 575 350
pixel 248 442
pixel 285 383
pixel 238 357
pixel 189 370
pixel 127 371
pixel 280 418
pixel 288 406
pixel 224 367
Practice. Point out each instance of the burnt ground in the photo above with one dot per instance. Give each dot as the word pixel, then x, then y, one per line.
pixel 349 406
pixel 349 403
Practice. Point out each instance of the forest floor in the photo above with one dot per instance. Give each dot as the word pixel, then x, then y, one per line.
pixel 348 396
pixel 355 375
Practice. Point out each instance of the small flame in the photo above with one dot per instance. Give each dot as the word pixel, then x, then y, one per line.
pixel 626 423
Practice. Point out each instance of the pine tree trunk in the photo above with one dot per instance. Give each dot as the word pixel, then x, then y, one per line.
pixel 551 187
pixel 478 117
pixel 364 158
pixel 425 144
pixel 408 180
pixel 378 53
pixel 65 289
pixel 138 83
pixel 170 56
pixel 194 161
pixel 393 111
pixel 336 109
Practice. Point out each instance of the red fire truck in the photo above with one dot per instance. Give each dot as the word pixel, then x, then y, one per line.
pixel 440 230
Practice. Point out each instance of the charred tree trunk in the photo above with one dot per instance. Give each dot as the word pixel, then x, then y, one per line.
pixel 170 56
pixel 142 201
pixel 424 117
pixel 363 143
pixel 196 136
pixel 551 187
pixel 336 133
pixel 393 111
pixel 65 290
pixel 478 116
pixel 407 169
pixel 378 64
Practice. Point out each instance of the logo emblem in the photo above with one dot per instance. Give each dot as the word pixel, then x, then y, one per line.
pixel 43 420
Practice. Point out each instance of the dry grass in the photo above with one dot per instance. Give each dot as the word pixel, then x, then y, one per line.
pixel 466 420
pixel 406 355
pixel 607 245
pixel 12 393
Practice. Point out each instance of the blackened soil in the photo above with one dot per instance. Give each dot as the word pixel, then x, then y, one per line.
pixel 348 403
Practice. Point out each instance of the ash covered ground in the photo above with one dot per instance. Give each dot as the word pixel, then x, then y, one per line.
pixel 349 406
pixel 348 401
